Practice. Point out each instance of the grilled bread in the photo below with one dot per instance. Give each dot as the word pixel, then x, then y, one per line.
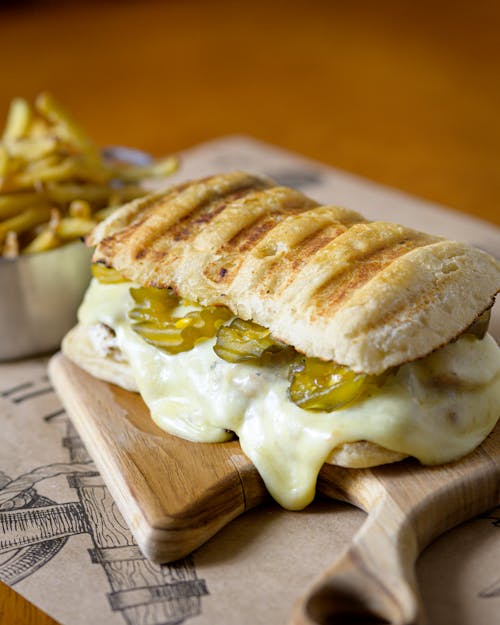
pixel 370 295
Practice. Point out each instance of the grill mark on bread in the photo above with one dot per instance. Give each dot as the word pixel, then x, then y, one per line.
pixel 121 219
pixel 112 242
pixel 282 270
pixel 189 226
pixel 147 239
pixel 168 216
pixel 274 261
pixel 333 292
pixel 246 224
pixel 232 255
pixel 306 250
pixel 134 218
pixel 408 308
pixel 310 246
pixel 338 257
pixel 170 247
pixel 296 228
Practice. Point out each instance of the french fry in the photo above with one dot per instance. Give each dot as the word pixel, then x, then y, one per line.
pixel 36 173
pixel 45 240
pixel 74 227
pixel 32 148
pixel 55 219
pixel 39 127
pixel 18 120
pixel 54 184
pixel 9 203
pixel 12 204
pixel 4 162
pixel 96 195
pixel 11 245
pixel 133 173
pixel 80 209
pixel 67 127
pixel 66 192
pixel 49 170
pixel 25 221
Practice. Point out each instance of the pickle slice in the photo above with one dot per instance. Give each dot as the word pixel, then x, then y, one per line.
pixel 153 319
pixel 325 386
pixel 244 341
pixel 106 275
pixel 479 327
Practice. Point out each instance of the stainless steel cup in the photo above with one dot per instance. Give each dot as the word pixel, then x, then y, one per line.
pixel 40 293
pixel 39 297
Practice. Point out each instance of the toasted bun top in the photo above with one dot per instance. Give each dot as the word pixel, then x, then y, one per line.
pixel 370 295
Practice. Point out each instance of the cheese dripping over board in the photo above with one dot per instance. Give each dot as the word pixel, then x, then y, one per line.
pixel 234 305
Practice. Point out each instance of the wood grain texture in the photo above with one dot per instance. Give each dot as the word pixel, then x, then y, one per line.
pixel 15 610
pixel 408 506
pixel 175 495
pixel 405 93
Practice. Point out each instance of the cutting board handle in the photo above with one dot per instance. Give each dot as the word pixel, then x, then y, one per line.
pixel 373 582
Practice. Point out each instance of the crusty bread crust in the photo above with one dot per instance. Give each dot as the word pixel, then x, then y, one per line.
pixel 362 455
pixel 370 295
pixel 78 347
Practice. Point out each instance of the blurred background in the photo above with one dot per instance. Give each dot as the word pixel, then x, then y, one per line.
pixel 405 93
pixel 402 92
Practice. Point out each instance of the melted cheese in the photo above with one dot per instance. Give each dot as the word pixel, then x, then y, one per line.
pixel 436 409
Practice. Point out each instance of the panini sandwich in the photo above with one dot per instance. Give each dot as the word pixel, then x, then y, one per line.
pixel 237 306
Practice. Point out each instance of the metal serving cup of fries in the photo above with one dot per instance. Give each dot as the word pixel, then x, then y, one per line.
pixel 40 294
pixel 55 185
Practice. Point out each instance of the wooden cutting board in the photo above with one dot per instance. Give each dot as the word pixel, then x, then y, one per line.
pixel 175 495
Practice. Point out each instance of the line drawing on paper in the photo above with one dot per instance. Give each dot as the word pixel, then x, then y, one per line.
pixel 34 529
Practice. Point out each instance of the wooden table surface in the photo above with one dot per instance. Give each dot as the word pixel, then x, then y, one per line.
pixel 401 92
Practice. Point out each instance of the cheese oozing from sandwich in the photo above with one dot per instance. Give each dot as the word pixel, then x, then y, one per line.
pixel 436 409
